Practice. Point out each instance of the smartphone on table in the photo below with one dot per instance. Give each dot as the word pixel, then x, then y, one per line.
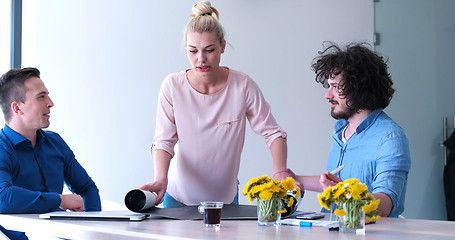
pixel 311 216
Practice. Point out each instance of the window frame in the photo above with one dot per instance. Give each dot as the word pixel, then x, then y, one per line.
pixel 16 34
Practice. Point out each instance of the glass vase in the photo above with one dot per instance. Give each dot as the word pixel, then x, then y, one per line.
pixel 268 212
pixel 354 220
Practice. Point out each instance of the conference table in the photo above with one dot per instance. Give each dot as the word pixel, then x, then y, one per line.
pixel 385 228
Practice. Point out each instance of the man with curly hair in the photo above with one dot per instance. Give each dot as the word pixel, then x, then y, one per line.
pixel 372 147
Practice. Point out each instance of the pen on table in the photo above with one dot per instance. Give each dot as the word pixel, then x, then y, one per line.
pixel 337 170
pixel 296 222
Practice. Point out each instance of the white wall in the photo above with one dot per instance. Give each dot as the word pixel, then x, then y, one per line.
pixel 418 37
pixel 103 62
pixel 5 40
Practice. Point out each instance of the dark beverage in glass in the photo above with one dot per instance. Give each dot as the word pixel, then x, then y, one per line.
pixel 212 213
pixel 212 216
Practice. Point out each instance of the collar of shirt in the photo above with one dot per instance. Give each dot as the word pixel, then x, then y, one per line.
pixel 341 124
pixel 367 122
pixel 15 138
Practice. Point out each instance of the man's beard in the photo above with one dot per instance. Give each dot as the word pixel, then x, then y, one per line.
pixel 346 113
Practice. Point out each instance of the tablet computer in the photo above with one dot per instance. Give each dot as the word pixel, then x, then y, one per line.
pixel 96 215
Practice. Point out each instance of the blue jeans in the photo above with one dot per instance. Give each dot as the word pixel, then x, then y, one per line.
pixel 169 201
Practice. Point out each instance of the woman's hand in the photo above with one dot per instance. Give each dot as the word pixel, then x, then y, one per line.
pixel 158 186
pixel 281 175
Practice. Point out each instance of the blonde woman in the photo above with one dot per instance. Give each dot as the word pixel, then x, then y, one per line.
pixel 204 109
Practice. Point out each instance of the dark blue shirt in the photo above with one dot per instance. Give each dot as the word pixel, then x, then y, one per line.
pixel 31 179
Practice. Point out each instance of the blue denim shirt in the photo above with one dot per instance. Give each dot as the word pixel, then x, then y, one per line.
pixel 377 154
pixel 31 179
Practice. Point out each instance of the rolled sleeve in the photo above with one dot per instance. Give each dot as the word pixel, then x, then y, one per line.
pixel 260 116
pixel 165 128
pixel 392 169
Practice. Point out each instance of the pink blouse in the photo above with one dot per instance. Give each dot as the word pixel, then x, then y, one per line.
pixel 210 131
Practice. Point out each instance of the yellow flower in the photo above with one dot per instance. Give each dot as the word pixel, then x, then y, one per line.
pixel 266 188
pixel 323 204
pixel 256 189
pixel 369 197
pixel 262 178
pixel 339 185
pixel 282 194
pixel 282 210
pixel 274 188
pixel 338 192
pixel 297 195
pixel 375 218
pixel 367 208
pixel 355 192
pixel 249 185
pixel 291 201
pixel 371 207
pixel 340 212
pixel 288 183
pixel 265 195
pixel 268 184
pixel 372 219
pixel 326 193
pixel 363 187
pixel 351 181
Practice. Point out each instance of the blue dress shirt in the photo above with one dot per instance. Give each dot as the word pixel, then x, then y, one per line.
pixel 31 179
pixel 377 154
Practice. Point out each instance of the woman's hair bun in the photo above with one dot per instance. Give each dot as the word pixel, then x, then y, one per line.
pixel 203 20
pixel 204 8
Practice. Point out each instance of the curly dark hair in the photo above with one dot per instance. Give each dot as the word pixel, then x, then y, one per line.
pixel 366 83
pixel 12 88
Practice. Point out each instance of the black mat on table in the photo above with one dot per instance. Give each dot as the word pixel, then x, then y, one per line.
pixel 229 212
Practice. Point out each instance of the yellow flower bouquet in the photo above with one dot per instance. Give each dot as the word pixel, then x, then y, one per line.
pixel 353 201
pixel 272 197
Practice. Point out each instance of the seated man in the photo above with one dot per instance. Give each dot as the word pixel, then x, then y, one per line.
pixel 371 146
pixel 34 164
